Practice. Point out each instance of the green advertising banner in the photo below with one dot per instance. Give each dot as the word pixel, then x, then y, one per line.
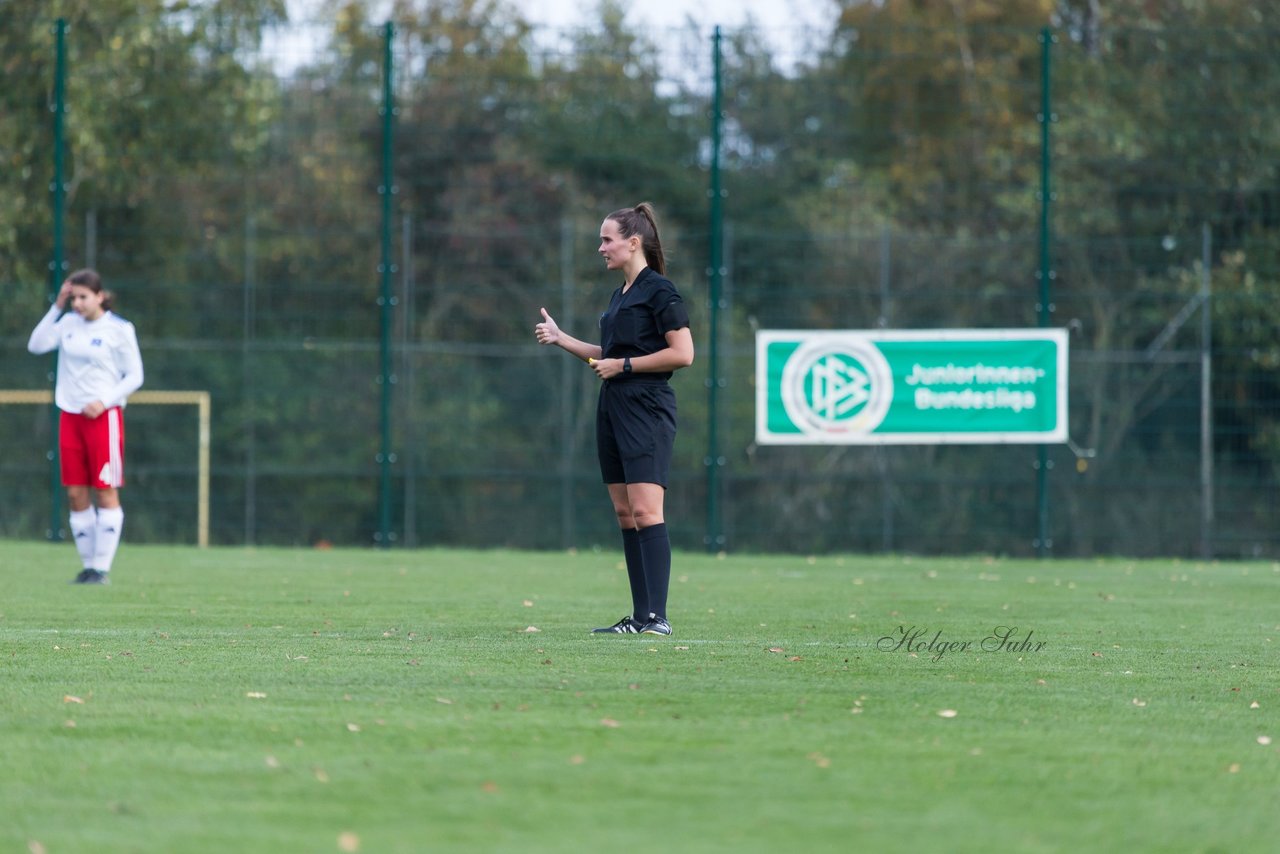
pixel 945 386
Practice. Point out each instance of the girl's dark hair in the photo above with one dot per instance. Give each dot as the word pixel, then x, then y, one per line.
pixel 88 278
pixel 641 220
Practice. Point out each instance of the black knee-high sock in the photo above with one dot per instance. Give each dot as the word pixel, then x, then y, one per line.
pixel 635 574
pixel 655 548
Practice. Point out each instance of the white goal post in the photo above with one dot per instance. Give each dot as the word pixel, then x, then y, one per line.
pixel 198 399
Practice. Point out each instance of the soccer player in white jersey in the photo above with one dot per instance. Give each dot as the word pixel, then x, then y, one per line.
pixel 99 366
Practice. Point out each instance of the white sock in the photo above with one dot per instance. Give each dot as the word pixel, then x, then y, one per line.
pixel 83 524
pixel 107 537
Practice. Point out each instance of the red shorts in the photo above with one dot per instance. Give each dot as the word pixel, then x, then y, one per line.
pixel 92 449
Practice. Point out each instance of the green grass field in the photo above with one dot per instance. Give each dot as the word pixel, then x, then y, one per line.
pixel 311 701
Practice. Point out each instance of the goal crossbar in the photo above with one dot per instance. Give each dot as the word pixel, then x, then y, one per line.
pixel 198 399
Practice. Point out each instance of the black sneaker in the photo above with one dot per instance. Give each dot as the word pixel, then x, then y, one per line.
pixel 628 625
pixel 656 626
pixel 91 576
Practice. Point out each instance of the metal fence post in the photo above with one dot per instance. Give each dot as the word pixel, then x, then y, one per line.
pixel 58 264
pixel 386 301
pixel 715 271
pixel 1044 538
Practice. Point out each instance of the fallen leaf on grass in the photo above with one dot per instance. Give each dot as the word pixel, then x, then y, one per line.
pixel 948 713
pixel 610 722
pixel 353 727
pixel 348 842
pixel 272 762
pixel 1233 768
pixel 1139 703
pixel 320 775
pixel 489 786
pixel 776 649
pixel 795 658
pixel 444 701
pixel 532 629
pixel 1264 740
pixel 256 695
pixel 577 759
pixel 1254 705
pixel 528 603
pixel 70 699
pixel 819 760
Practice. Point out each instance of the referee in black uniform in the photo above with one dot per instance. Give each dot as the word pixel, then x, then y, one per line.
pixel 644 338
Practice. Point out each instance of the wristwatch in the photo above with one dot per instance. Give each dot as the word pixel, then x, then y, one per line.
pixel 626 365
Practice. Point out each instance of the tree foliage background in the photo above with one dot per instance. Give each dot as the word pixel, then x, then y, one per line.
pixel 224 172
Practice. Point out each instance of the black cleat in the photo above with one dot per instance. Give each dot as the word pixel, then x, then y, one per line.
pixel 656 626
pixel 628 625
pixel 91 576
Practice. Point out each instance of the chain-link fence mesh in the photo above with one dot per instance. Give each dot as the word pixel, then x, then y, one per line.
pixel 368 346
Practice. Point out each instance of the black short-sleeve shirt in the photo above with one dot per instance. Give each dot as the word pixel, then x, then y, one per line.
pixel 637 322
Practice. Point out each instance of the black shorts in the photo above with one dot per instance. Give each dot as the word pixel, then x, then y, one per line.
pixel 635 431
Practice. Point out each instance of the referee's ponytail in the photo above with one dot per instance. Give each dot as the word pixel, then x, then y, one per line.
pixel 641 221
pixel 89 278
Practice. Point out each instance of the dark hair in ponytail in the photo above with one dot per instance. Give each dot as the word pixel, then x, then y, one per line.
pixel 88 278
pixel 641 221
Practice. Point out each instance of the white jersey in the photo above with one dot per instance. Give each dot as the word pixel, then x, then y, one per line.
pixel 97 360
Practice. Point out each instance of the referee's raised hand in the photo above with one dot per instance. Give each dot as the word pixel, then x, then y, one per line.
pixel 546 332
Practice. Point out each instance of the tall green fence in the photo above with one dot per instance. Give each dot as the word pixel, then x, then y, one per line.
pixel 344 230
